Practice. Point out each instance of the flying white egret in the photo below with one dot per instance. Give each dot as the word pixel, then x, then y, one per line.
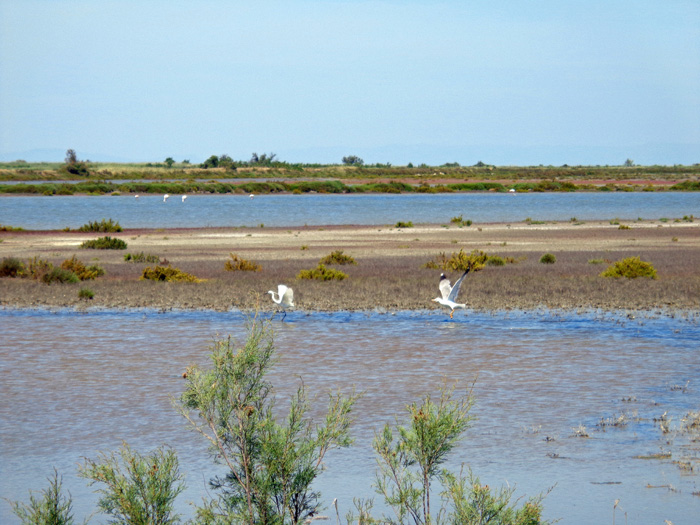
pixel 165 197
pixel 285 297
pixel 184 197
pixel 449 293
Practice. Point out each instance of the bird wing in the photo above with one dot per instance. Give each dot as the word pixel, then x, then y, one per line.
pixel 281 290
pixel 455 289
pixel 288 296
pixel 445 287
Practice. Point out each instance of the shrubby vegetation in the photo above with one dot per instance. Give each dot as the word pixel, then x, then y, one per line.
pixel 321 273
pixel 142 258
pixel 104 226
pixel 337 257
pixel 83 272
pixel 104 243
pixel 238 264
pixel 71 270
pixel 548 258
pixel 461 261
pixel 168 274
pixel 631 268
pixel 54 507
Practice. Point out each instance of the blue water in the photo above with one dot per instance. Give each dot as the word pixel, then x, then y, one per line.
pixel 75 383
pixel 149 211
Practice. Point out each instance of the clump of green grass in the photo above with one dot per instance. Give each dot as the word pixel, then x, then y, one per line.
pixel 59 275
pixel 104 226
pixel 11 267
pixel 402 224
pixel 530 221
pixel 86 294
pixel 459 261
pixel 6 228
pixel 304 247
pixel 238 264
pixel 105 243
pixel 459 221
pixel 495 260
pixel 623 227
pixel 36 268
pixel 337 257
pixel 168 274
pixel 142 258
pixel 321 273
pixel 83 272
pixel 674 239
pixel 597 261
pixel 548 258
pixel 631 268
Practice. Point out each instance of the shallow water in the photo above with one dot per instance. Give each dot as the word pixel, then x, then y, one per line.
pixel 78 383
pixel 149 211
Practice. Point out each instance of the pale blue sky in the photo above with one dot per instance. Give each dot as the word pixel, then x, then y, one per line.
pixel 510 82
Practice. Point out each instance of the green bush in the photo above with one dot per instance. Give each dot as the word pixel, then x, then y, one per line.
pixel 103 226
pixel 238 264
pixel 400 224
pixel 459 261
pixel 321 273
pixel 495 260
pixel 86 293
pixel 548 258
pixel 337 257
pixel 631 268
pixel 169 274
pixel 141 258
pixel 36 268
pixel 11 267
pixel 105 243
pixel 53 508
pixel 59 275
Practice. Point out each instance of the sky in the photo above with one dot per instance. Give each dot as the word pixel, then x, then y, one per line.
pixel 502 82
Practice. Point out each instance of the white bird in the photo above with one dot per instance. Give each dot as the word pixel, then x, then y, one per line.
pixel 136 196
pixel 165 197
pixel 285 298
pixel 449 293
pixel 252 195
pixel 512 190
pixel 184 197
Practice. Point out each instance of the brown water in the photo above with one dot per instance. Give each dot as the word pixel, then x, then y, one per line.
pixel 75 383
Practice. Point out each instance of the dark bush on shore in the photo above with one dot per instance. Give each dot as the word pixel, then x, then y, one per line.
pixel 548 258
pixel 337 257
pixel 236 263
pixel 168 274
pixel 321 273
pixel 105 243
pixel 11 267
pixel 104 226
pixel 141 258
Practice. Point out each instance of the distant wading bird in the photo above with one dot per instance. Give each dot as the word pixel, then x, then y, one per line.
pixel 165 197
pixel 184 197
pixel 285 298
pixel 449 293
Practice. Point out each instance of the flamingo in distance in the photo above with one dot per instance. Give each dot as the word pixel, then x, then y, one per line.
pixel 165 197
pixel 284 296
pixel 449 293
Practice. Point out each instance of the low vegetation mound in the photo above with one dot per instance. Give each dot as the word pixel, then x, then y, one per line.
pixel 631 268
pixel 105 243
pixel 337 257
pixel 548 258
pixel 461 261
pixel 168 274
pixel 84 273
pixel 11 267
pixel 321 273
pixel 239 264
pixel 104 226
pixel 142 258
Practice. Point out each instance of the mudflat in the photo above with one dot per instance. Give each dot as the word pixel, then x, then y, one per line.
pixel 390 273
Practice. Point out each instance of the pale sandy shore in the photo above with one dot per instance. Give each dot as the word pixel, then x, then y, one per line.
pixel 389 273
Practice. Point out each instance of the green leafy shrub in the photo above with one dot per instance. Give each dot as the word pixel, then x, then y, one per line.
pixel 6 228
pixel 86 293
pixel 238 264
pixel 141 258
pixel 54 507
pixel 401 224
pixel 59 275
pixel 105 243
pixel 548 258
pixel 631 268
pixel 459 221
pixel 459 261
pixel 495 260
pixel 321 273
pixel 36 268
pixel 137 489
pixel 83 272
pixel 104 226
pixel 169 274
pixel 11 267
pixel 337 257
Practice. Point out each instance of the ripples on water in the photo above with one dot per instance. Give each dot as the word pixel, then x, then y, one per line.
pixel 149 211
pixel 78 383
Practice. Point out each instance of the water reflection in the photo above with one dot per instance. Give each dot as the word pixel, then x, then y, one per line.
pixel 78 383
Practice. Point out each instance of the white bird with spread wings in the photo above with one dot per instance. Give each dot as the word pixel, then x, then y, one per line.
pixel 449 293
pixel 284 297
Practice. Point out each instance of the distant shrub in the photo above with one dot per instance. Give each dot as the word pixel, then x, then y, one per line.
pixel 337 257
pixel 548 258
pixel 104 226
pixel 59 275
pixel 238 264
pixel 169 274
pixel 401 224
pixel 141 258
pixel 632 267
pixel 596 261
pixel 623 227
pixel 495 260
pixel 11 267
pixel 105 243
pixel 459 221
pixel 36 268
pixel 459 261
pixel 83 272
pixel 321 273
pixel 86 293
pixel 6 228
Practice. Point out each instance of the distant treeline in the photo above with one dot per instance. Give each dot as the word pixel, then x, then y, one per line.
pixel 321 186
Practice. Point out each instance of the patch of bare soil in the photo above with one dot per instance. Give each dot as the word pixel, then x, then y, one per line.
pixel 389 273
